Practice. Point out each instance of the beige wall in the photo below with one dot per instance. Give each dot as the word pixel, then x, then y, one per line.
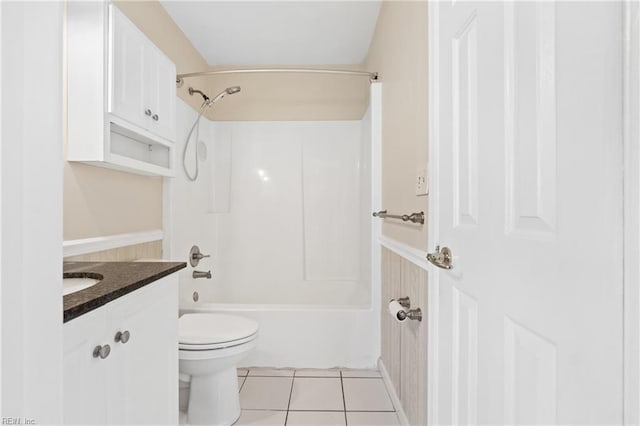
pixel 99 202
pixel 291 96
pixel 399 53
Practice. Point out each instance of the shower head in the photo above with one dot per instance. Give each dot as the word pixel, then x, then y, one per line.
pixel 208 103
pixel 228 91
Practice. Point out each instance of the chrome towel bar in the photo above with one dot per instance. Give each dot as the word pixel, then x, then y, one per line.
pixel 413 217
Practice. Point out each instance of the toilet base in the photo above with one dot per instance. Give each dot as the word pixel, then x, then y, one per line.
pixel 214 399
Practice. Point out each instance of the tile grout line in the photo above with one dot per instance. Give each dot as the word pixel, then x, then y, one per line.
pixel 344 403
pixel 362 377
pixel 244 379
pixel 390 399
pixel 286 417
pixel 275 410
pixel 294 376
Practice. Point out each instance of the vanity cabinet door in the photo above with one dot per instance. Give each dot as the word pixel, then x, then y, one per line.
pixel 143 383
pixel 84 386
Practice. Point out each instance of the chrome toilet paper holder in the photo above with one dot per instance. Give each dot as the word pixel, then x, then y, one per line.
pixel 412 314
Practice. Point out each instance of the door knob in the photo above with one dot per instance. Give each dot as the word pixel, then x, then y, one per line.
pixel 147 112
pixel 122 336
pixel 441 258
pixel 155 117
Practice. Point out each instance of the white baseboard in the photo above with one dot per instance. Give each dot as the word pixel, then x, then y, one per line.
pixel 404 421
pixel 92 245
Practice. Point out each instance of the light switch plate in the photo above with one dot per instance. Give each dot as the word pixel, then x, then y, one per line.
pixel 422 183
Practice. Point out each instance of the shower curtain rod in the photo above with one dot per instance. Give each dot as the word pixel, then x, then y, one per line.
pixel 373 76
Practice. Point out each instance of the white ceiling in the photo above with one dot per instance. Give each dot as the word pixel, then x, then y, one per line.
pixel 277 32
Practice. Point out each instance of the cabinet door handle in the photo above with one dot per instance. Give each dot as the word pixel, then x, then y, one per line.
pixel 122 336
pixel 147 112
pixel 101 351
pixel 156 117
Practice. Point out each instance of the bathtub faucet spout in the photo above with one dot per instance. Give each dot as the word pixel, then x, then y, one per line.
pixel 202 274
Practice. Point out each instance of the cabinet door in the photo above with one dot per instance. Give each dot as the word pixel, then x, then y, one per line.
pixel 160 89
pixel 126 70
pixel 144 371
pixel 84 388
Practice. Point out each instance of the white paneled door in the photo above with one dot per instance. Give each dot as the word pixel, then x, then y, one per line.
pixel 527 155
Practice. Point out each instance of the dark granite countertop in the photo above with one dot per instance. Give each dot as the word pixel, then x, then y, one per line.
pixel 118 279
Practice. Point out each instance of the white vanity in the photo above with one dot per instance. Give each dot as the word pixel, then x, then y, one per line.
pixel 121 359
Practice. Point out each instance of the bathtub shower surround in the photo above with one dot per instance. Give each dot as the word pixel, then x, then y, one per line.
pixel 284 208
pixel 291 214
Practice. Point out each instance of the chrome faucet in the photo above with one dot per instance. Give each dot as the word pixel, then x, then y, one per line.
pixel 202 274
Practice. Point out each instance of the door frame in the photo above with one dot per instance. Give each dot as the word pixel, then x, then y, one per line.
pixel 433 218
pixel 31 192
pixel 631 200
pixel 631 209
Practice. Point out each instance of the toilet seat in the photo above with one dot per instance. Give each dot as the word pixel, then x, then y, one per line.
pixel 213 346
pixel 205 332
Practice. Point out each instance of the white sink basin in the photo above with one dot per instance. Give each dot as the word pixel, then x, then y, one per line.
pixel 71 285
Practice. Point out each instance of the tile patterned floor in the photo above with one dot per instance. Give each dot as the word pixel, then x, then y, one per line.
pixel 313 397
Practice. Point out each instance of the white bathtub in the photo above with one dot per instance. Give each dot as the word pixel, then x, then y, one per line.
pixel 307 336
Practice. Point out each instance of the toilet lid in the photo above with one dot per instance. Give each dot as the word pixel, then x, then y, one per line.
pixel 213 329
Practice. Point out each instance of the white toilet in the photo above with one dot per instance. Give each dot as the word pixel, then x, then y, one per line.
pixel 210 346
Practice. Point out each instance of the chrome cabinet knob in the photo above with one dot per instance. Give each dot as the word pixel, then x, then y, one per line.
pixel 122 336
pixel 101 351
pixel 147 112
pixel 156 117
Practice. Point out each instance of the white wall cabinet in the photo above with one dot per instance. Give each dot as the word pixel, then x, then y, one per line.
pixel 142 79
pixel 121 93
pixel 137 382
